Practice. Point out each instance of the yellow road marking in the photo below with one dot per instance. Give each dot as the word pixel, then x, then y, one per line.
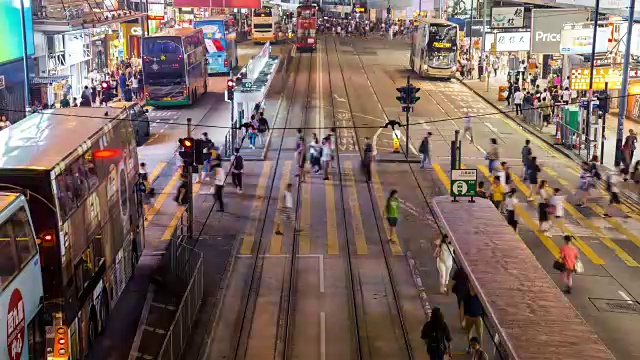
pixel 354 206
pixel 395 244
pixel 332 232
pixel 442 176
pixel 275 246
pixel 305 218
pixel 156 171
pixel 162 198
pixel 586 250
pixel 254 214
pixel 524 216
pixel 176 217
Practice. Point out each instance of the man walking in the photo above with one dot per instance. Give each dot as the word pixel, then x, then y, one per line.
pixel 425 151
pixel 219 186
pixel 517 101
pixel 236 169
pixel 467 127
pixel 367 158
pixel 526 158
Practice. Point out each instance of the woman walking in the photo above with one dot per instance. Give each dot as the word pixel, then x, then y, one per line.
pixel 532 176
pixel 436 336
pixel 543 207
pixel 459 285
pixel 568 257
pixel 444 254
pixel 493 155
pixel 391 211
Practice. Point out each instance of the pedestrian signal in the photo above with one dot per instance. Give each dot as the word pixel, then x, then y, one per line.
pixel 187 152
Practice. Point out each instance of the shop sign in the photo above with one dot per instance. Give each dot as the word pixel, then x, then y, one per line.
pixel 156 12
pixel 136 30
pixel 580 79
pixel 507 17
pixel 580 40
pixel 513 41
pixel 547 25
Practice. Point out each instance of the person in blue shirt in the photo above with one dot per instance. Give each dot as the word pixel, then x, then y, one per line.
pixel 122 81
pixel 127 94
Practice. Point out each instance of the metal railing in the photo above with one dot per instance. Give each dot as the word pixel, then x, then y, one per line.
pixel 182 264
pixel 532 116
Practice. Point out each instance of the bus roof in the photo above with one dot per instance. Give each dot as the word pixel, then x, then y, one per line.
pixel 44 139
pixel 180 32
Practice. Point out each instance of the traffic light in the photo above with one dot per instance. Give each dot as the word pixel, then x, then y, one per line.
pixel 61 343
pixel 187 152
pixel 231 84
pixel 408 94
pixel 200 152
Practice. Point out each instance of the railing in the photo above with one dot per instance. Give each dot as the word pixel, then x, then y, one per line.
pixel 532 116
pixel 183 264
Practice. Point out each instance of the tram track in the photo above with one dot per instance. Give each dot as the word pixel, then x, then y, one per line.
pixel 364 348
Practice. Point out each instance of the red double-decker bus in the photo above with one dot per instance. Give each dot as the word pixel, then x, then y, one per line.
pixel 306 24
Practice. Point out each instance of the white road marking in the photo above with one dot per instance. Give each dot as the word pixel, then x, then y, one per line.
pixel 625 296
pixel 338 97
pixel 143 320
pixel 323 336
pixel 491 127
pixel 321 266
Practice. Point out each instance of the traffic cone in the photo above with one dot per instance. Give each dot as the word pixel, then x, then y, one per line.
pixel 558 135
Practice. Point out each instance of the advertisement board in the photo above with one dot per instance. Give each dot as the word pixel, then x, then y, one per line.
pixel 507 17
pixel 216 44
pixel 547 25
pixel 513 41
pixel 612 76
pixel 156 12
pixel 10 27
pixel 580 41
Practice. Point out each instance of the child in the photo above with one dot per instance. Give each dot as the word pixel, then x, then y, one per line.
pixel 481 192
pixel 510 206
pixel 556 201
pixel 286 209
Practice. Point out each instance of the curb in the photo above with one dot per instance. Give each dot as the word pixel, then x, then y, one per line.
pixel 424 299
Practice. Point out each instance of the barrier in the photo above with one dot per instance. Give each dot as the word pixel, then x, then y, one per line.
pixel 532 117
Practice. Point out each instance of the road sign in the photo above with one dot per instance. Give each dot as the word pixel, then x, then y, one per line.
pixel 463 182
pixel 408 108
pixel 247 83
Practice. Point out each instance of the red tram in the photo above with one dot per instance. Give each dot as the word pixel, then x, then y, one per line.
pixel 306 25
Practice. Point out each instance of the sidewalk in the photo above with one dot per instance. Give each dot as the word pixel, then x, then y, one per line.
pixel 547 134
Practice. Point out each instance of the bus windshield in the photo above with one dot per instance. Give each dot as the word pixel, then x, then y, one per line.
pixel 163 61
pixel 442 45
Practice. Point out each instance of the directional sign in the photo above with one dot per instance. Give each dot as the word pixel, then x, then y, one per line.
pixel 247 83
pixel 463 182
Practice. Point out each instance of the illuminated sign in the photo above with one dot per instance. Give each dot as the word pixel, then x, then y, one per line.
pixel 441 45
pixel 136 30
pixel 580 79
pixel 359 9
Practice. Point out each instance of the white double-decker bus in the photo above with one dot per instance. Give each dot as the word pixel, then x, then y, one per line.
pixel 435 49
pixel 265 24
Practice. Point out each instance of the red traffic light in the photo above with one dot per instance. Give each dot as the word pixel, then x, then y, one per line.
pixel 187 143
pixel 231 84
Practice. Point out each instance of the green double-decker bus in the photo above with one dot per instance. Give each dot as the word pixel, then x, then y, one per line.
pixel 174 66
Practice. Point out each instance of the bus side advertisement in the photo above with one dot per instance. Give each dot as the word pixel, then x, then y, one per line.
pixel 216 44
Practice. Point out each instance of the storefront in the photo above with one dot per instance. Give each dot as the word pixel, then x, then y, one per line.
pixel 131 35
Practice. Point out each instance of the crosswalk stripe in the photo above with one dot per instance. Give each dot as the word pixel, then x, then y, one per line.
pixel 275 247
pixel 305 218
pixel 156 171
pixel 176 217
pixel 354 206
pixel 586 249
pixel 332 231
pixel 396 249
pixel 254 215
pixel 162 198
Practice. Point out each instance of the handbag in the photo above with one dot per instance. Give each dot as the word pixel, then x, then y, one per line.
pixel 559 265
pixel 579 269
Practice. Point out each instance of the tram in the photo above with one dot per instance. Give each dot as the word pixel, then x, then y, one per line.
pixel 306 25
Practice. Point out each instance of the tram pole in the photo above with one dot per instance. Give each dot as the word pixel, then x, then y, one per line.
pixel 622 107
pixel 190 190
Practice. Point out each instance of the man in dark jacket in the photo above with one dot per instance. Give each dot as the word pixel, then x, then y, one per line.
pixel 425 150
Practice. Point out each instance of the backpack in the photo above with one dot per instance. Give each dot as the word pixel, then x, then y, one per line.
pixel 238 165
pixel 435 340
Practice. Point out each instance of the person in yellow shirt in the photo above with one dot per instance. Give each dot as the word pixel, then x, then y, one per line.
pixel 497 192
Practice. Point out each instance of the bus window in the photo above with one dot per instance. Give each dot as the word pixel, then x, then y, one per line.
pixel 66 198
pixel 17 245
pixel 8 262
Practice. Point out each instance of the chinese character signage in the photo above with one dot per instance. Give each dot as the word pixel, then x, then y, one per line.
pixel 507 17
pixel 513 41
pixel 580 79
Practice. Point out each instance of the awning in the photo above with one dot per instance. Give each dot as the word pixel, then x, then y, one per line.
pixel 38 80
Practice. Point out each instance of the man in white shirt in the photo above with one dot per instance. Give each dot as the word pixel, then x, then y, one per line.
pixel 565 83
pixel 517 101
pixel 286 210
pixel 566 95
pixel 219 186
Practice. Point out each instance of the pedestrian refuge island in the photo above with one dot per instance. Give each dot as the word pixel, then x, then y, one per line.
pixel 526 313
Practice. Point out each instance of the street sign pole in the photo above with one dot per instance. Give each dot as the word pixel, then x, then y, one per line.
pixel 190 191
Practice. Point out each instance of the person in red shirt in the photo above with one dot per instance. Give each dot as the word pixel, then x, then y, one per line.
pixel 569 257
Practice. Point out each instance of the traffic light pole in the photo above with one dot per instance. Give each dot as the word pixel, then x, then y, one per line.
pixel 190 190
pixel 406 147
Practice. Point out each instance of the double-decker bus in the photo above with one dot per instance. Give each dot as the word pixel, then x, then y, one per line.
pixel 220 42
pixel 306 26
pixel 79 167
pixel 22 329
pixel 174 67
pixel 265 25
pixel 435 49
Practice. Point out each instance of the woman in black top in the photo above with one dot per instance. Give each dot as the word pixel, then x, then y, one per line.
pixel 436 336
pixel 459 285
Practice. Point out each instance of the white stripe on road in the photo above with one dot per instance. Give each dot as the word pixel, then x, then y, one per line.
pixel 323 336
pixel 625 296
pixel 321 266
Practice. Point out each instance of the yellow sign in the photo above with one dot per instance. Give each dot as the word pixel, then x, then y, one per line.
pixel 359 9
pixel 396 145
pixel 580 79
pixel 441 45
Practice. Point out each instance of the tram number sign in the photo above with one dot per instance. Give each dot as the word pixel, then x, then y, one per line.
pixel 463 182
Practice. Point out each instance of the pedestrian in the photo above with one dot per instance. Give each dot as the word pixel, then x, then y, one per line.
pixel 367 158
pixel 566 95
pixel 218 182
pixel 481 192
pixel 493 156
pixel 467 127
pixel 505 177
pixel 444 254
pixel 545 107
pixel 286 215
pixel 543 207
pixel 517 101
pixel 251 132
pixel 496 191
pixel 569 258
pixel 629 148
pixel 315 153
pixel 325 157
pixel 263 128
pixel 557 202
pixel 532 177
pixel 182 195
pixel 301 155
pixel 122 83
pixel 613 179
pixel 4 123
pixel 586 183
pixel 135 86
pixel 473 312
pixel 127 94
pixel 236 168
pixel 436 336
pixel 510 204
pixel 476 350
pixel 459 286
pixel 391 211
pixel 425 150
pixel 65 103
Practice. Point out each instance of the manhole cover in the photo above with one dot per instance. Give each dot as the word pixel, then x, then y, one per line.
pixel 619 306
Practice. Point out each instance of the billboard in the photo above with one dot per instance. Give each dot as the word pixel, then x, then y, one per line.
pixel 547 25
pixel 216 44
pixel 241 4
pixel 513 41
pixel 580 41
pixel 10 27
pixel 507 17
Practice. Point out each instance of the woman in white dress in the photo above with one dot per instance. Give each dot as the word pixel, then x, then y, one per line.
pixel 444 254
